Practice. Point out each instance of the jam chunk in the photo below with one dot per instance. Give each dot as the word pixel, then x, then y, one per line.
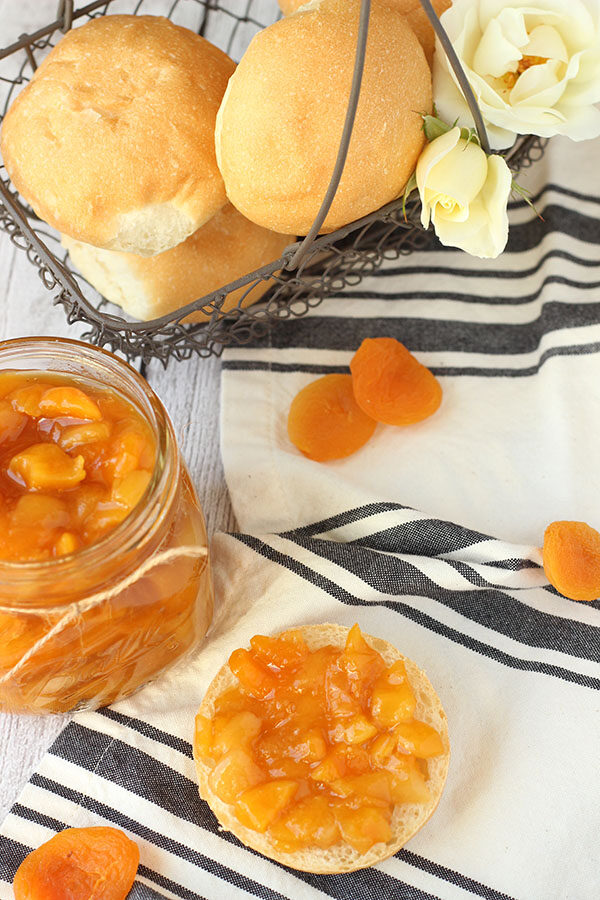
pixel 393 699
pixel 46 467
pixel 260 806
pixel 235 773
pixel 69 402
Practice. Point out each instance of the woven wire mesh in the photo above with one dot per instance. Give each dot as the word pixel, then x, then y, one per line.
pixel 333 261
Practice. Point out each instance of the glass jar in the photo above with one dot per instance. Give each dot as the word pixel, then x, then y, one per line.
pixel 87 629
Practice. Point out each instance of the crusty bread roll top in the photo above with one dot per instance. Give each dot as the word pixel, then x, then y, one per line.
pixel 281 120
pixel 411 9
pixel 112 142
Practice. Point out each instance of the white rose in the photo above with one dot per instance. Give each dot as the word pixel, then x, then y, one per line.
pixel 465 194
pixel 534 67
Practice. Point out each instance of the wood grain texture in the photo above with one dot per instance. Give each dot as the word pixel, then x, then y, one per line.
pixel 189 391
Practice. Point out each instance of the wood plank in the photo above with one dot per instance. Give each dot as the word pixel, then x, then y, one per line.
pixel 190 391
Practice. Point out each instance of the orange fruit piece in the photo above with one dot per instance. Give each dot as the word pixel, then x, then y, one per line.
pixel 408 783
pixel 203 734
pixel 255 678
pixel 258 807
pixel 79 863
pixel 12 422
pixel 277 651
pixel 361 664
pixel 235 773
pixel 307 822
pixel 571 556
pixel 393 699
pixel 325 422
pixel 45 467
pixel 419 738
pixel 70 402
pixel 361 828
pixel 391 385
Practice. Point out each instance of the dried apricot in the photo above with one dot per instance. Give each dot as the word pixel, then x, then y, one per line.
pixel 325 421
pixel 391 385
pixel 77 864
pixel 571 556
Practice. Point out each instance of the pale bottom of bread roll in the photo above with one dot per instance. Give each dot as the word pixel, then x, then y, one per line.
pixel 225 249
pixel 407 818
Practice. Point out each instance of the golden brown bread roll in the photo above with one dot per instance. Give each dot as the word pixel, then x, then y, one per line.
pixel 226 248
pixel 407 818
pixel 417 19
pixel 280 123
pixel 411 9
pixel 112 142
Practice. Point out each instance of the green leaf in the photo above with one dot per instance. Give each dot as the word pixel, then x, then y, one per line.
pixel 470 136
pixel 434 127
pixel 522 192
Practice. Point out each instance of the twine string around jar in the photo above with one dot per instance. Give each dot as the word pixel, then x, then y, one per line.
pixel 80 607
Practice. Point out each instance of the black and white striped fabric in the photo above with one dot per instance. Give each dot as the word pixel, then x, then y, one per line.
pixel 515 342
pixel 516 667
pixel 398 538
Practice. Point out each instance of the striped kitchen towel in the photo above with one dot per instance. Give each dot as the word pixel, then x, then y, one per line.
pixel 516 667
pixel 515 343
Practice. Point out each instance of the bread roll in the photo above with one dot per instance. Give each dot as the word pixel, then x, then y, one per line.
pixel 226 248
pixel 411 9
pixel 280 123
pixel 112 142
pixel 407 818
pixel 417 19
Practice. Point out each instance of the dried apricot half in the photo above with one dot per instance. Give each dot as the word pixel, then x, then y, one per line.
pixel 571 556
pixel 391 385
pixel 77 864
pixel 325 421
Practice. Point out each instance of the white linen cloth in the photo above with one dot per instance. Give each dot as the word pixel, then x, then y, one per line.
pixel 515 344
pixel 428 537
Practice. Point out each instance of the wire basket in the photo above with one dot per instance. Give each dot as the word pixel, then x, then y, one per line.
pixel 308 271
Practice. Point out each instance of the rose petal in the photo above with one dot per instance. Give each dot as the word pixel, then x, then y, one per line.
pixel 455 212
pixel 499 49
pixel 541 85
pixel 462 26
pixel 581 123
pixel 451 106
pixel 486 232
pixel 545 41
pixel 431 155
pixel 574 20
pixel 584 87
pixel 495 196
pixel 459 173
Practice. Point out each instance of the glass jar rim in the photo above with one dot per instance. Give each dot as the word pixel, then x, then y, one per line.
pixel 135 529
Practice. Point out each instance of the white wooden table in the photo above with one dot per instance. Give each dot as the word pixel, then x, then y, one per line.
pixel 189 390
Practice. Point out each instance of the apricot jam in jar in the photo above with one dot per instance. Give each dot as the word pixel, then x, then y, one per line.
pixel 104 574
